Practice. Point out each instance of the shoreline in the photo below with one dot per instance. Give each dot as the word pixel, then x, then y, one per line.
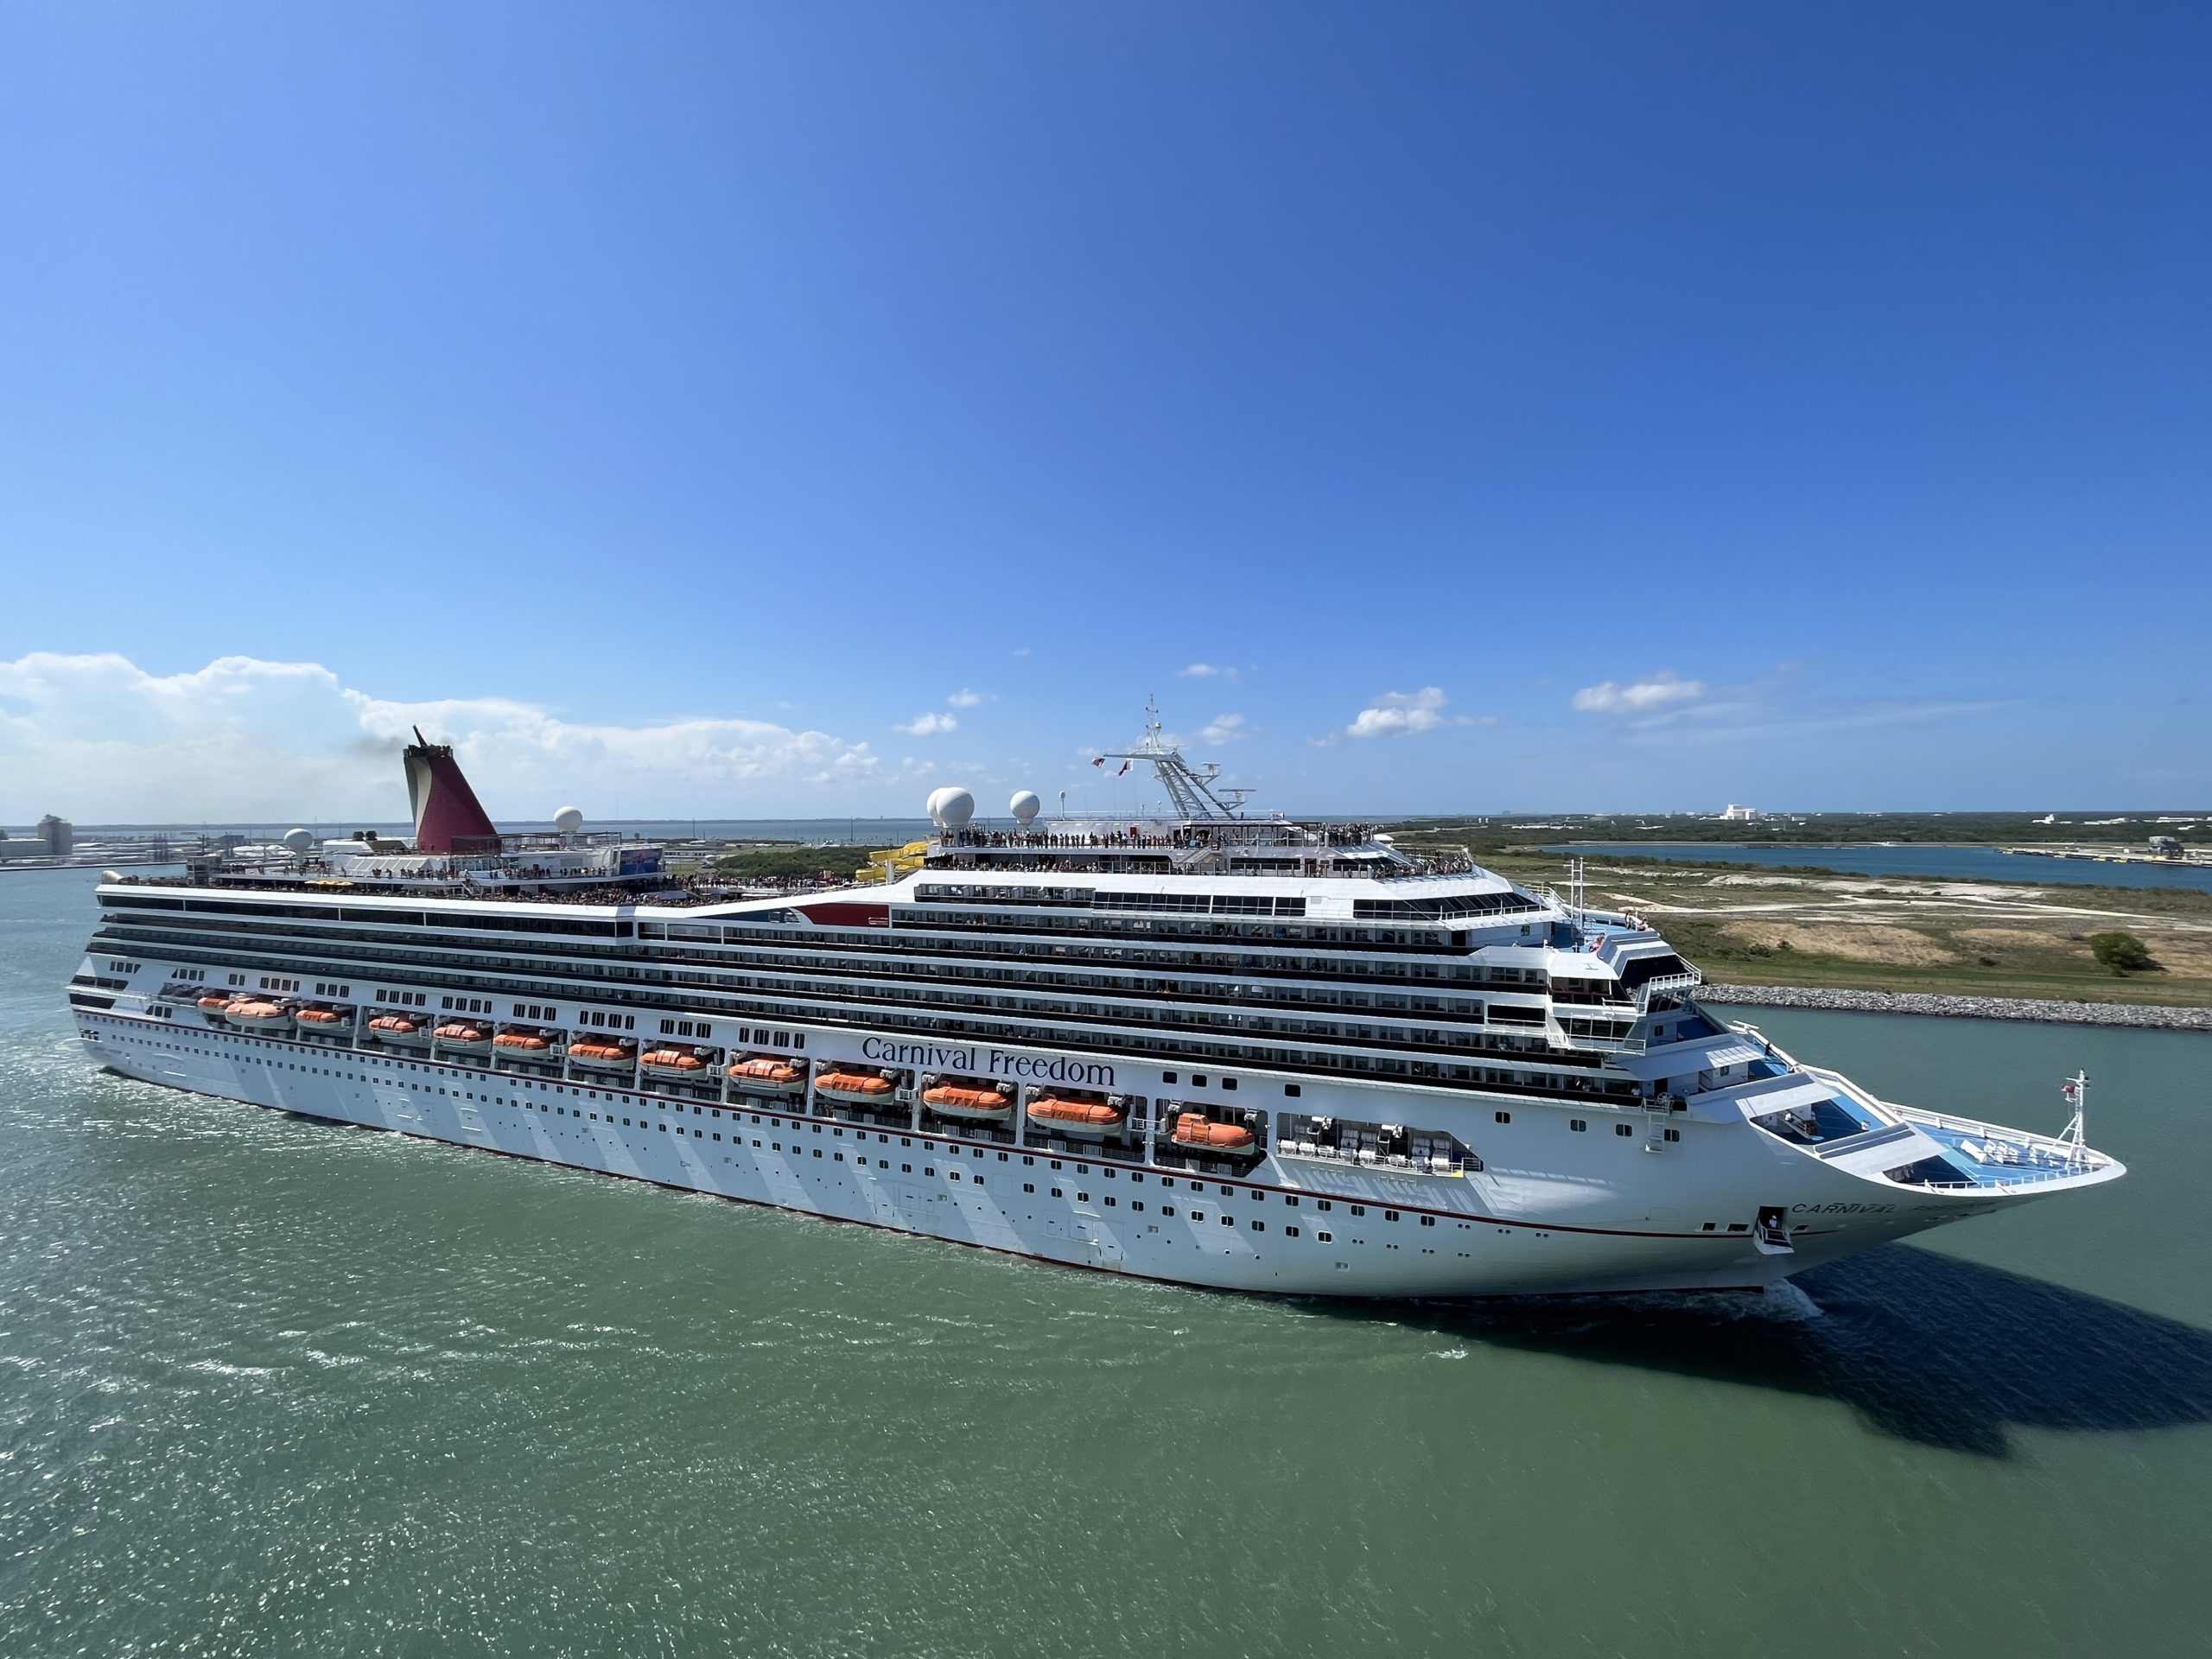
pixel 2041 1011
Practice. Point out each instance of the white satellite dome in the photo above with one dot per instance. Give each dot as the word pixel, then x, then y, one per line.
pixel 568 820
pixel 952 807
pixel 300 840
pixel 1025 806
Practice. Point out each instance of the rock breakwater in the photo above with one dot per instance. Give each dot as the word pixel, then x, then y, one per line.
pixel 1967 1008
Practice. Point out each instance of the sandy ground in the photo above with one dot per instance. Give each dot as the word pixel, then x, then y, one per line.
pixel 1910 924
pixel 1856 940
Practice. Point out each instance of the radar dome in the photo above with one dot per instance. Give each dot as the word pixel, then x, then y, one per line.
pixel 953 808
pixel 300 840
pixel 568 820
pixel 937 800
pixel 1025 806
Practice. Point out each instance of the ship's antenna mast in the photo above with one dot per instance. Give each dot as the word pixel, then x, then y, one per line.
pixel 1191 791
pixel 2076 1091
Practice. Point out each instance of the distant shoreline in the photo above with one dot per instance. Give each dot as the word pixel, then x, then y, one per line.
pixel 2038 1010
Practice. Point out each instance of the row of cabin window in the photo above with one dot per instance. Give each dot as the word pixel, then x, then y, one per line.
pixel 1538 1016
pixel 741 936
pixel 668 1027
pixel 1198 1081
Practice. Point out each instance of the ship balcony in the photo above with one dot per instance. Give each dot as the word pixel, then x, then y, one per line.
pixel 1576 1042
pixel 1666 985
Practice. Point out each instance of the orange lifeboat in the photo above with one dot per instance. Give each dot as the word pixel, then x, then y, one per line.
pixel 682 1064
pixel 399 1028
pixel 322 1020
pixel 213 1002
pixel 1072 1113
pixel 250 1014
pixel 1203 1134
pixel 967 1099
pixel 518 1042
pixel 600 1055
pixel 861 1088
pixel 765 1074
pixel 464 1038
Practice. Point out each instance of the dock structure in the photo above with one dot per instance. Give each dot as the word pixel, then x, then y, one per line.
pixel 2184 861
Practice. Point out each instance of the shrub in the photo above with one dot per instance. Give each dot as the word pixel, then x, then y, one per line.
pixel 2121 952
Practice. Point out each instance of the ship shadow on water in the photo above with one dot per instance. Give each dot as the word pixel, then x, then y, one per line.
pixel 1927 1347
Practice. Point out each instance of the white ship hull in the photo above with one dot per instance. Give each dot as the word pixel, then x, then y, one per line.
pixel 1580 1213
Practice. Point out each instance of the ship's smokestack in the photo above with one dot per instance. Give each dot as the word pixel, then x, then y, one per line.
pixel 447 816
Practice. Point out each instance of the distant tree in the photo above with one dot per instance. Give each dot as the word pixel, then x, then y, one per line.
pixel 2121 952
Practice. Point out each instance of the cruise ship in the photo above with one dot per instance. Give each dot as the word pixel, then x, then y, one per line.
pixel 1201 1045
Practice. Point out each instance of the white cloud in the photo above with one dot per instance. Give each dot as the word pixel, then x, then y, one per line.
pixel 1853 716
pixel 928 725
pixel 964 698
pixel 1659 690
pixel 1205 671
pixel 1222 728
pixel 1021 651
pixel 1398 714
pixel 101 741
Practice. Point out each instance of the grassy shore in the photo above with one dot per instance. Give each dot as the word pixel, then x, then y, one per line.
pixel 1834 828
pixel 784 861
pixel 1758 925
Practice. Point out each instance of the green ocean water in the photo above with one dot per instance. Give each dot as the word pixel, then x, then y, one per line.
pixel 274 1388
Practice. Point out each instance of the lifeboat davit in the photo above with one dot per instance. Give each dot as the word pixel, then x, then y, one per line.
pixel 965 1097
pixel 1203 1134
pixel 768 1075
pixel 1094 1115
pixel 322 1020
pixel 602 1056
pixel 523 1043
pixel 683 1065
pixel 399 1028
pixel 464 1038
pixel 253 1014
pixel 861 1088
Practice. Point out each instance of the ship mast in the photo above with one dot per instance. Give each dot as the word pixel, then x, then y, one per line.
pixel 2075 1089
pixel 1191 791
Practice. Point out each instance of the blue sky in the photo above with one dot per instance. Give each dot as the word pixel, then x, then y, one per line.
pixel 1521 407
